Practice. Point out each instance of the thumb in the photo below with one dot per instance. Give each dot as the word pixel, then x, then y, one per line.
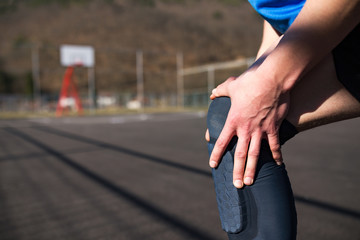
pixel 222 90
pixel 207 135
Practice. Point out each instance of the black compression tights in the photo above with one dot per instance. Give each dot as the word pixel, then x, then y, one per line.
pixel 264 210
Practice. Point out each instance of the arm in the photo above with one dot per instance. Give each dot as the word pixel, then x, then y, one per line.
pixel 314 33
pixel 260 96
pixel 269 37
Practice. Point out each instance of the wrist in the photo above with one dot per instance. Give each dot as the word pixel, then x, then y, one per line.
pixel 282 68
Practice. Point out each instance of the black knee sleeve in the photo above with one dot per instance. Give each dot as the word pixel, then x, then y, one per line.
pixel 249 212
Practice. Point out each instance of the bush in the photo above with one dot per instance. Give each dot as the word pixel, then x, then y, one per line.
pixel 6 82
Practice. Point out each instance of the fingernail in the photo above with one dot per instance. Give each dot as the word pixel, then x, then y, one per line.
pixel 238 184
pixel 213 164
pixel 213 91
pixel 248 181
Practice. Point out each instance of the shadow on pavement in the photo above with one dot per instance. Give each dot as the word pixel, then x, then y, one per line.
pixel 131 198
pixel 123 150
pixel 300 199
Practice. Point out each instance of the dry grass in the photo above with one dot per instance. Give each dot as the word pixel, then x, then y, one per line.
pixel 205 31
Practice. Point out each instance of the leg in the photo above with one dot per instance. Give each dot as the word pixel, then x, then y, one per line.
pixel 320 99
pixel 266 209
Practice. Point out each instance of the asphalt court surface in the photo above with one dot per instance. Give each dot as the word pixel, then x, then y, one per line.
pixel 146 177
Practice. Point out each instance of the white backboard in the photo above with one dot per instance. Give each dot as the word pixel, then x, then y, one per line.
pixel 72 55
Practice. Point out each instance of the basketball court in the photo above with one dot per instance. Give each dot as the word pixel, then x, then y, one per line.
pixel 146 176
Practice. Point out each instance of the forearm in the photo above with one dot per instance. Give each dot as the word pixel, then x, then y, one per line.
pixel 315 32
pixel 270 39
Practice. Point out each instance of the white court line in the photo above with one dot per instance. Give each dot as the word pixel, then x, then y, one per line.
pixel 121 119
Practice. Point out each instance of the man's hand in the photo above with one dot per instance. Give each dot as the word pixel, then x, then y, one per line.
pixel 258 107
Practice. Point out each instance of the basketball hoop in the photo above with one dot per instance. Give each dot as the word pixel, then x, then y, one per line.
pixel 72 56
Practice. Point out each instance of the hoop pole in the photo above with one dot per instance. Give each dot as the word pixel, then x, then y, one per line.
pixel 36 75
pixel 91 83
pixel 68 86
pixel 140 77
pixel 180 79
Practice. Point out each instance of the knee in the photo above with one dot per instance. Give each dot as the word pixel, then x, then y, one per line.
pixel 217 114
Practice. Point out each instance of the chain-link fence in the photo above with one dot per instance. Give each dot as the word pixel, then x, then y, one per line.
pixel 31 79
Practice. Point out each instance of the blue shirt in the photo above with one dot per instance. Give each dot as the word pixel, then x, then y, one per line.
pixel 279 13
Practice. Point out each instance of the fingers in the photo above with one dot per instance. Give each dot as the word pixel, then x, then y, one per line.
pixel 220 145
pixel 252 158
pixel 246 154
pixel 222 89
pixel 275 148
pixel 207 135
pixel 239 161
pixel 213 94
